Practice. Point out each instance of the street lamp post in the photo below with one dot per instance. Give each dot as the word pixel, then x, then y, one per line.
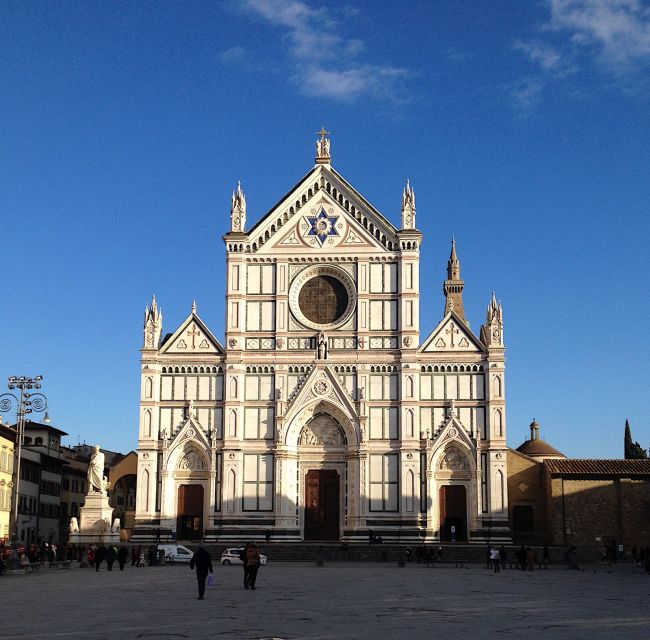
pixel 27 403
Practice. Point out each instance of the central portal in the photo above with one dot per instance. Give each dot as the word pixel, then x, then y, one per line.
pixel 189 523
pixel 322 505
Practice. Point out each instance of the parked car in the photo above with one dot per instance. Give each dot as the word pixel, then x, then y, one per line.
pixel 176 552
pixel 231 556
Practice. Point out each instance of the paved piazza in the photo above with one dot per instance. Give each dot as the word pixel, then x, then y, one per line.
pixel 296 600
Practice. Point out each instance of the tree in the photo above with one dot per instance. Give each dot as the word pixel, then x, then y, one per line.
pixel 633 450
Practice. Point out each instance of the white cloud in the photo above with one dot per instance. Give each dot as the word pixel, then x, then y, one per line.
pixel 613 34
pixel 234 54
pixel 526 94
pixel 547 57
pixel 348 84
pixel 617 30
pixel 325 61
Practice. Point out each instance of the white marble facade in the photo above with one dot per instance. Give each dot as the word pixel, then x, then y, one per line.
pixel 324 413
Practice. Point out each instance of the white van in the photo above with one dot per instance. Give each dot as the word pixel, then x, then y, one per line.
pixel 176 552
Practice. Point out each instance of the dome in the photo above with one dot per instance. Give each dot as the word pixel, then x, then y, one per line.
pixel 539 449
pixel 536 447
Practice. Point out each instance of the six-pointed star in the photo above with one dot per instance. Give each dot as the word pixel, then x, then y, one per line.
pixel 322 226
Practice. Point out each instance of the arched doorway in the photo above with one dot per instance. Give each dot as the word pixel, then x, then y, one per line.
pixel 189 524
pixel 322 445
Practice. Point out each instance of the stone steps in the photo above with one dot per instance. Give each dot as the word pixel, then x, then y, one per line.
pixel 452 554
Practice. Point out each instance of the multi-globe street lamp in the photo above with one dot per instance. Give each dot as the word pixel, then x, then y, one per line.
pixel 28 402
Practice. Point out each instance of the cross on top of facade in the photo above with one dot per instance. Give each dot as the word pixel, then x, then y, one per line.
pixel 322 146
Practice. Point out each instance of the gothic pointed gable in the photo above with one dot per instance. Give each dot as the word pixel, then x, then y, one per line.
pixel 453 434
pixel 194 337
pixel 321 385
pixel 322 212
pixel 452 335
pixel 189 448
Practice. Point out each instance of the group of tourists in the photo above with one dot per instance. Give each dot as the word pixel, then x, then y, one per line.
pixel 526 558
pixel 98 553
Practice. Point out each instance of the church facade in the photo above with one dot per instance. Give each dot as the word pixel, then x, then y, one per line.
pixel 326 412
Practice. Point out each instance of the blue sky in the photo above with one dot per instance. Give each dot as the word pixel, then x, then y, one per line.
pixel 523 127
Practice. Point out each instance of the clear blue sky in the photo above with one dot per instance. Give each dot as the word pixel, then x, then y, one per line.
pixel 523 127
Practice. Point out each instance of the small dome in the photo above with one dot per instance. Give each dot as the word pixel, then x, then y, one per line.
pixel 539 449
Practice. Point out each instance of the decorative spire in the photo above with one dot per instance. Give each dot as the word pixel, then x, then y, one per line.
pixel 152 324
pixel 323 147
pixel 453 286
pixel 492 330
pixel 238 210
pixel 194 306
pixel 408 207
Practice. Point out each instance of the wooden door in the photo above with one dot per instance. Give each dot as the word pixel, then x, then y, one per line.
pixel 453 513
pixel 190 512
pixel 322 505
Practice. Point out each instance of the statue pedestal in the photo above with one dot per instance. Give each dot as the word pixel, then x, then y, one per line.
pixel 95 522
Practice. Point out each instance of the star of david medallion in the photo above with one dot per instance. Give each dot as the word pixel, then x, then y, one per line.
pixel 322 226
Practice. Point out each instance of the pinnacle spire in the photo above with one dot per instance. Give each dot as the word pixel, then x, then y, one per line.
pixel 194 306
pixel 408 206
pixel 238 209
pixel 453 286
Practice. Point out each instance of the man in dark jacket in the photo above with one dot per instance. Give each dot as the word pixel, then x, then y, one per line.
pixel 203 563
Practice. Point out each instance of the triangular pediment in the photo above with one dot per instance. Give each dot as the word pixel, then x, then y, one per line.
pixel 321 213
pixel 321 384
pixel 192 337
pixel 454 435
pixel 190 433
pixel 452 335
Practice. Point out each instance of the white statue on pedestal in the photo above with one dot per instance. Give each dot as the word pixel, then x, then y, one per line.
pixel 116 525
pixel 74 525
pixel 96 472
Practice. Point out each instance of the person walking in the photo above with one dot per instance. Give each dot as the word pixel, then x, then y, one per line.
pixel 100 554
pixel 503 556
pixel 122 556
pixel 495 559
pixel 251 565
pixel 111 555
pixel 135 555
pixel 203 563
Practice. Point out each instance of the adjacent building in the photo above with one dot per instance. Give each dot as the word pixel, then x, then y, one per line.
pixel 564 501
pixel 7 453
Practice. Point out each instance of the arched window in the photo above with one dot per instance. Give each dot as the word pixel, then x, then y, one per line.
pixel 498 491
pixel 145 490
pixel 409 424
pixel 232 424
pixel 498 423
pixel 148 388
pixel 410 491
pixel 231 491
pixel 146 424
pixel 233 387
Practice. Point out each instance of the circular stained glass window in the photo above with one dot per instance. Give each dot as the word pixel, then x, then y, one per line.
pixel 323 299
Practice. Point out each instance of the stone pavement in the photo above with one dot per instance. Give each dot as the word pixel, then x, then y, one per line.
pixel 337 601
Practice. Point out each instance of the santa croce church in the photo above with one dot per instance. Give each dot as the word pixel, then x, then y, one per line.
pixel 327 411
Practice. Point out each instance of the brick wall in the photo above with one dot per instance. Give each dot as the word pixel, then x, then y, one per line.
pixel 587 512
pixel 526 488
